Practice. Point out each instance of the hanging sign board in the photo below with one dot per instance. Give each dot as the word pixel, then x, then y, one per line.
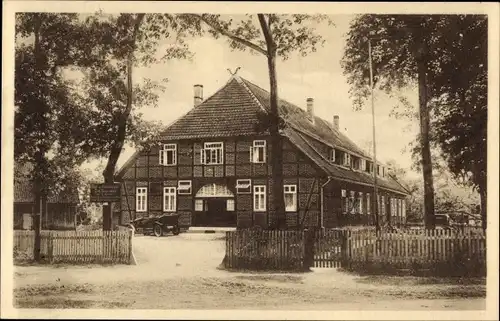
pixel 101 193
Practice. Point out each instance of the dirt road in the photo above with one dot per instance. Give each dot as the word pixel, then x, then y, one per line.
pixel 181 273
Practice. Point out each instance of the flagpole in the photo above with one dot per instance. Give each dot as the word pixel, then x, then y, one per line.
pixel 375 167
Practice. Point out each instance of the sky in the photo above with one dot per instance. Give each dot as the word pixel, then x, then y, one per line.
pixel 318 75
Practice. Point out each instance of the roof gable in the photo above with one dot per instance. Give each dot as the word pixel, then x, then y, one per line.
pixel 231 111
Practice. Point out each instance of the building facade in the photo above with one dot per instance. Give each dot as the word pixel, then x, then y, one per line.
pixel 61 210
pixel 212 166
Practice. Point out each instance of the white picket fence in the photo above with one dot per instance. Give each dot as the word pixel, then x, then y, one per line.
pixel 76 247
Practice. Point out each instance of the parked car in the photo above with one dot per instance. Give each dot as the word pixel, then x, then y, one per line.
pixel 158 226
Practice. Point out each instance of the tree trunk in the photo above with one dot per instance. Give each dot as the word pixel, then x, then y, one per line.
pixel 116 149
pixel 40 166
pixel 429 217
pixel 482 195
pixel 276 140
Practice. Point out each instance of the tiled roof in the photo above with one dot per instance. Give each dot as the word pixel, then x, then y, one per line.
pixel 23 189
pixel 23 194
pixel 231 111
pixel 303 142
pixel 298 118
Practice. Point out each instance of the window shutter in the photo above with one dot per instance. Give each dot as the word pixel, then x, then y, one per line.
pixel 161 156
pixel 202 156
pixel 251 154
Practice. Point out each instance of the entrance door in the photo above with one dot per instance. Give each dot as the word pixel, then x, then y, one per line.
pixel 217 214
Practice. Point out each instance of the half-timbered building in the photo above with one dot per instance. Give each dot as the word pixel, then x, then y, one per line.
pixel 212 166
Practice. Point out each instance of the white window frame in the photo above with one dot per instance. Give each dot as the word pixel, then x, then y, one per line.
pixel 198 205
pixel 210 148
pixel 332 155
pixel 258 146
pixel 290 190
pixel 182 189
pixel 259 198
pixel 141 198
pixel 163 154
pixel 172 192
pixel 230 205
pixel 362 164
pixel 242 184
pixel 347 159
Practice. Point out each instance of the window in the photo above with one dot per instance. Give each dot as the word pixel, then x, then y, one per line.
pixel 355 162
pixel 169 199
pixel 141 199
pixel 243 186
pixel 332 155
pixel 345 201
pixel 230 205
pixel 168 155
pixel 347 159
pixel 212 154
pixel 259 198
pixel 383 206
pixel 198 205
pixel 290 198
pixel 258 152
pixel 352 201
pixel 360 203
pixel 184 187
pixel 368 204
pixel 368 167
pixel 362 164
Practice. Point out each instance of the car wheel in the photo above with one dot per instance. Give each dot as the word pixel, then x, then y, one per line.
pixel 157 230
pixel 176 230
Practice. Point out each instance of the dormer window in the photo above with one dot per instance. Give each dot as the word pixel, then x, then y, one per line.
pixel 362 164
pixel 347 159
pixel 258 151
pixel 355 162
pixel 332 155
pixel 368 167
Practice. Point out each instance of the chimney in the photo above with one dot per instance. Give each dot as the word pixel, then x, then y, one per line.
pixel 310 109
pixel 336 122
pixel 198 95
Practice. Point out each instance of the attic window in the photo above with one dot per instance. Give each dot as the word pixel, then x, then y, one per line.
pixel 355 162
pixel 347 159
pixel 368 167
pixel 332 155
pixel 362 164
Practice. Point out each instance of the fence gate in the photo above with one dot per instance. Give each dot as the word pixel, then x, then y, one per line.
pixel 329 248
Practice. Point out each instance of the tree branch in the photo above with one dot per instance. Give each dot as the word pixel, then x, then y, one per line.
pixel 266 30
pixel 229 34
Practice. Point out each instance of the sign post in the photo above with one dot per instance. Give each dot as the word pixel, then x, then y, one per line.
pixel 105 193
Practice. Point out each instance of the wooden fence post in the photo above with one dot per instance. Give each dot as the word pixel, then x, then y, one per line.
pixel 308 249
pixel 37 240
pixel 50 247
